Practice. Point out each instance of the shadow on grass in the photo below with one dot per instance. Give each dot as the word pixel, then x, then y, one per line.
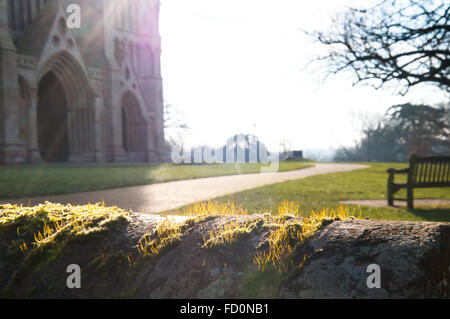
pixel 440 214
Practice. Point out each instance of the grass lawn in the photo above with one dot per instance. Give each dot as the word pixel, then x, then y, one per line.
pixel 326 191
pixel 25 181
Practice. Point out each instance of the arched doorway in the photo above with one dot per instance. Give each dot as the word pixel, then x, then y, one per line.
pixel 52 120
pixel 64 91
pixel 134 129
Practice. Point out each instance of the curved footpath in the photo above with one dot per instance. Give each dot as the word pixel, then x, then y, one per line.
pixel 162 197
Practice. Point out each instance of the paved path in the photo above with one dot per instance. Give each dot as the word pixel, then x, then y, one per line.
pixel 161 197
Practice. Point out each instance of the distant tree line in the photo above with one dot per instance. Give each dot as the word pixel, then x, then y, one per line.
pixel 404 130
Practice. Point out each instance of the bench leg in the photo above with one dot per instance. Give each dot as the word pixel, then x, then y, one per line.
pixel 390 191
pixel 410 198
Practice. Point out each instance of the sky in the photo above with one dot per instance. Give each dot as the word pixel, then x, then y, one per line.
pixel 240 66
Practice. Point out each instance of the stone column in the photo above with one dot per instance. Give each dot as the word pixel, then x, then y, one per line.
pixel 162 148
pixel 98 128
pixel 118 152
pixel 152 155
pixel 12 150
pixel 34 154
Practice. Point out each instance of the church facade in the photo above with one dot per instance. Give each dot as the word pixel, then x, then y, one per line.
pixel 89 93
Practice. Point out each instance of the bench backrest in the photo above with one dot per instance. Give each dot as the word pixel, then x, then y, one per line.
pixel 429 171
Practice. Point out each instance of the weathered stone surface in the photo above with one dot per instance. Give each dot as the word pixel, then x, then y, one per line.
pixel 414 259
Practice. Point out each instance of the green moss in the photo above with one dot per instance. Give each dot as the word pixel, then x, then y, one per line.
pixel 37 260
pixel 47 230
pixel 262 284
pixel 137 278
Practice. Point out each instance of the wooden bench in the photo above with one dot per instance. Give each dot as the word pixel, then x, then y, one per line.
pixel 423 172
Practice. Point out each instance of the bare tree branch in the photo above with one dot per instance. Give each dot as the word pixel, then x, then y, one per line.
pixel 403 41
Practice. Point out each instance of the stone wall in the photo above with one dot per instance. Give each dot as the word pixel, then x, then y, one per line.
pixel 337 262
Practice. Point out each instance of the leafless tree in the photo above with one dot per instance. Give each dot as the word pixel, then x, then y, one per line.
pixel 174 126
pixel 405 42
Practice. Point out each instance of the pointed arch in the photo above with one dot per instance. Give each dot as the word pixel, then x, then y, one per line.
pixel 52 120
pixel 134 128
pixel 79 98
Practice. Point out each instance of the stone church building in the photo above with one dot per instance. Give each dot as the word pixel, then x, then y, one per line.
pixel 92 93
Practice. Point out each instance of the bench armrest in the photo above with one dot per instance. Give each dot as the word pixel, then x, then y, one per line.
pixel 398 171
